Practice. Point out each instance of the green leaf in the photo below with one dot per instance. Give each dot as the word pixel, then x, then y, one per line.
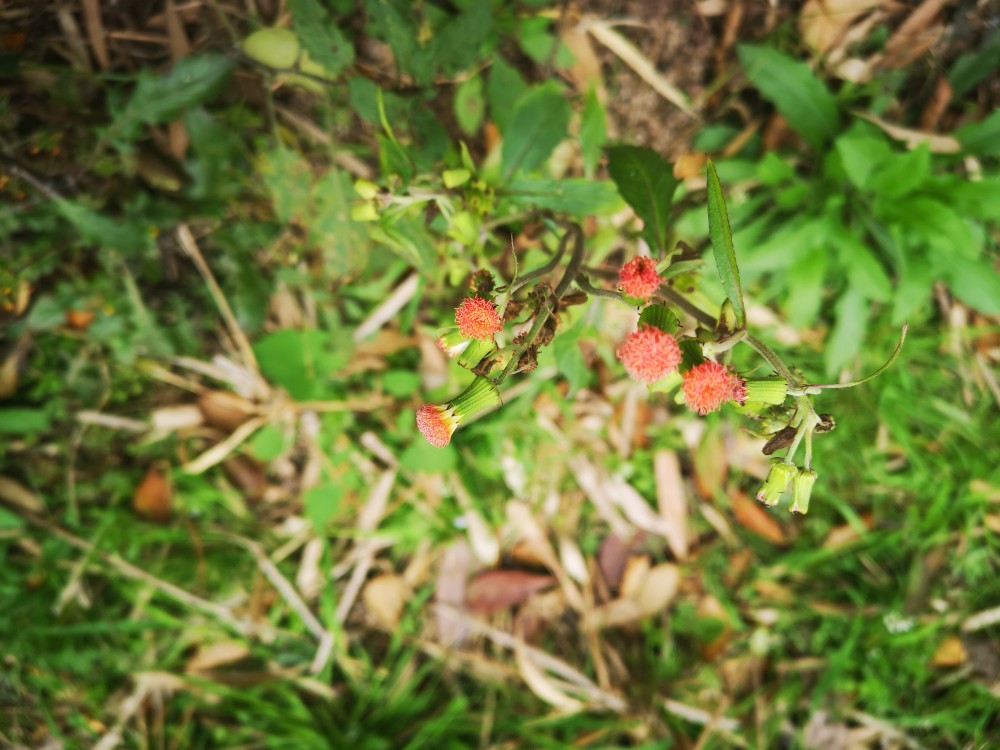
pixel 972 67
pixel 301 361
pixel 320 36
pixel 848 332
pixel 288 178
pixel 722 246
pixel 321 503
pixel 570 360
pixel 190 82
pixel 593 131
pixel 103 231
pixel 804 276
pixel 396 23
pixel 975 282
pixel 902 173
pixel 458 42
pixel 981 138
pixel 14 421
pixel 469 104
pixel 537 126
pixel 792 87
pixel 575 196
pixel 864 271
pixel 861 155
pixel 505 88
pixel 646 181
pixel 267 443
pixel 401 383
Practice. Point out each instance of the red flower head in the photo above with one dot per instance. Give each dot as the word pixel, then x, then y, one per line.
pixel 638 278
pixel 478 318
pixel 437 423
pixel 709 385
pixel 649 354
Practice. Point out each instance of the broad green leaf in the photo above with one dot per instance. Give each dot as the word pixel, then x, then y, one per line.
pixel 396 23
pixel 190 82
pixel 848 332
pixel 795 90
pixel 458 42
pixel 804 276
pixel 570 360
pixel 469 104
pixel 864 271
pixel 913 289
pixel 321 503
pixel 972 67
pixel 320 36
pixel 722 245
pixel 981 138
pixel 975 282
pixel 902 173
pixel 301 361
pixel 593 131
pixel 267 443
pixel 860 155
pixel 575 196
pixel 537 126
pixel 16 421
pixel 646 181
pixel 288 178
pixel 979 199
pixel 503 91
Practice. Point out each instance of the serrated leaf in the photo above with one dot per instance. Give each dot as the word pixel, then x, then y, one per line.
pixel 320 36
pixel 795 90
pixel 646 181
pixel 190 82
pixel 722 246
pixel 537 126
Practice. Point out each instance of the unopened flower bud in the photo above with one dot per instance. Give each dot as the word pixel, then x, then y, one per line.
pixel 771 390
pixel 778 479
pixel 437 423
pixel 802 486
pixel 474 353
pixel 452 343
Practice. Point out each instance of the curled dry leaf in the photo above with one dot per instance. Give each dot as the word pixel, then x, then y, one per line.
pixel 659 588
pixel 153 496
pixel 217 655
pixel 636 570
pixel 385 597
pixel 950 653
pixel 15 493
pixel 79 320
pixel 225 410
pixel 753 516
pixel 494 590
pixel 824 22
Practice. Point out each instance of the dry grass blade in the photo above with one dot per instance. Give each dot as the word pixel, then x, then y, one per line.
pixel 18 495
pixel 672 499
pixel 587 477
pixel 95 32
pixel 938 144
pixel 603 32
pixel 220 451
pixel 388 310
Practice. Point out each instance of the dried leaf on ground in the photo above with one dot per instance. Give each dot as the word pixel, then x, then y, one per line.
pixel 950 653
pixel 494 590
pixel 671 497
pixel 21 497
pixel 217 655
pixel 659 588
pixel 457 563
pixel 153 497
pixel 755 517
pixel 385 597
pixel 824 22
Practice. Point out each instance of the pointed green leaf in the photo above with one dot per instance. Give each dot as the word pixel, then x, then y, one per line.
pixel 537 126
pixel 646 181
pixel 722 246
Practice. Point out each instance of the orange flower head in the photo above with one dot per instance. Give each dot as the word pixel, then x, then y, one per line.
pixel 478 318
pixel 649 354
pixel 436 423
pixel 638 278
pixel 709 385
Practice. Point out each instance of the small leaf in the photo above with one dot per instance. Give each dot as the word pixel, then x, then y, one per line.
pixel 504 89
pixel 15 421
pixel 981 138
pixel 753 516
pixel 722 246
pixel 972 67
pixel 494 590
pixel 470 105
pixel 537 126
pixel 795 90
pixel 153 497
pixel 647 183
pixel 321 504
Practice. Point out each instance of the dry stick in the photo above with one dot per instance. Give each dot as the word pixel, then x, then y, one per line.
pixel 188 244
pixel 554 665
pixel 291 596
pixel 368 521
pixel 127 569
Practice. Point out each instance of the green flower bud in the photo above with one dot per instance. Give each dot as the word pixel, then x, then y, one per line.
pixel 778 479
pixel 802 486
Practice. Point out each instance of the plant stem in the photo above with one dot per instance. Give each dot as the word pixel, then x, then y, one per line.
pixel 773 359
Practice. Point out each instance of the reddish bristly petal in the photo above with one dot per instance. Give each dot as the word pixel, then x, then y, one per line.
pixel 649 354
pixel 477 318
pixel 638 278
pixel 434 426
pixel 709 385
